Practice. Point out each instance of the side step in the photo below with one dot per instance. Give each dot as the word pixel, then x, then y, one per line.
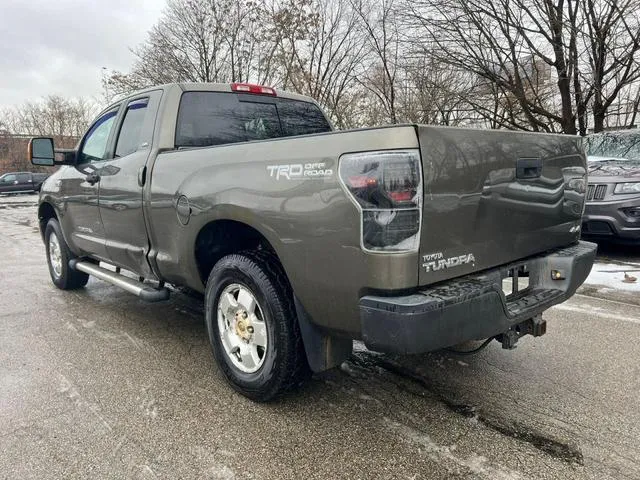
pixel 145 292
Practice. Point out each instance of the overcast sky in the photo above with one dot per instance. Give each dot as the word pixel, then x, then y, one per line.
pixel 60 46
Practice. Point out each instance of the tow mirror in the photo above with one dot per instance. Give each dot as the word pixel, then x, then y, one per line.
pixel 41 151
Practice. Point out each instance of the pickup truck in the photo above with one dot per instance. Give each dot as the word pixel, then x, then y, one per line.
pixel 410 238
pixel 21 182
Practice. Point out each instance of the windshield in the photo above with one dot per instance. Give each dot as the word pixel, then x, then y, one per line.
pixel 621 146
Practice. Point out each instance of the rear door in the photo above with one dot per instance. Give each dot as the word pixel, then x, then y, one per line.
pixel 493 197
pixel 122 179
pixel 24 182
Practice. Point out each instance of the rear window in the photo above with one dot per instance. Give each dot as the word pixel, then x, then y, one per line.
pixel 217 118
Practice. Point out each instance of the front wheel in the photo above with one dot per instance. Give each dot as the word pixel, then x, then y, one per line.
pixel 58 256
pixel 252 325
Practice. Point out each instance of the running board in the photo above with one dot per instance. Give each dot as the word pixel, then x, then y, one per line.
pixel 145 292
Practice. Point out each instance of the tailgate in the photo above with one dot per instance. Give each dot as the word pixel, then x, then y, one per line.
pixel 493 197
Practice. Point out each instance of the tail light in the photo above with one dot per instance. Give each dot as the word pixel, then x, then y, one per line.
pixel 387 188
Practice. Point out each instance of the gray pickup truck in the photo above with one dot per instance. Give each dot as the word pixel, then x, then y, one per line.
pixel 410 238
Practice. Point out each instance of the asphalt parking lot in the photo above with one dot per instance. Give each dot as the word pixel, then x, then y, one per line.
pixel 97 384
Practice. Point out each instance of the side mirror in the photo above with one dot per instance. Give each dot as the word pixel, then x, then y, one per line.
pixel 41 151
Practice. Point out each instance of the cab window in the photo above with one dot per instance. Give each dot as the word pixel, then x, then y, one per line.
pixel 94 145
pixel 219 118
pixel 130 136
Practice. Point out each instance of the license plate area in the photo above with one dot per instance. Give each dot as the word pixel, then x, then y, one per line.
pixel 515 281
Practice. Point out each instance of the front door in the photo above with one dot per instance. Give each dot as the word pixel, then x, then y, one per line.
pixel 121 186
pixel 8 183
pixel 79 214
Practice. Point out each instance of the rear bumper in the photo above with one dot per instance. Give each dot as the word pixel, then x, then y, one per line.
pixel 471 307
pixel 608 219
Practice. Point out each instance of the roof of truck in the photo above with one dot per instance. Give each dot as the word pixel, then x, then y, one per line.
pixel 218 87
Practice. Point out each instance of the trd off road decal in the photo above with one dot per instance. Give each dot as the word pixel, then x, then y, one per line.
pixel 299 170
pixel 436 261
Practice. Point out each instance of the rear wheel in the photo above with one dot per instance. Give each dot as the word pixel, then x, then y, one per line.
pixel 252 325
pixel 58 256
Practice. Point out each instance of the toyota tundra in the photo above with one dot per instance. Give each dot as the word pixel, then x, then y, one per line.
pixel 410 238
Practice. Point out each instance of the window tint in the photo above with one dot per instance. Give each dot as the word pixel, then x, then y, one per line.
pixel 23 177
pixel 129 137
pixel 9 178
pixel 215 118
pixel 94 146
pixel 301 118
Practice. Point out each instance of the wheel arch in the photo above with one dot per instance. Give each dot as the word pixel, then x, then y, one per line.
pixel 46 212
pixel 223 236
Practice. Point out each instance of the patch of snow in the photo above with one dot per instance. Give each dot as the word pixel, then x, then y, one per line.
pixel 477 465
pixel 611 275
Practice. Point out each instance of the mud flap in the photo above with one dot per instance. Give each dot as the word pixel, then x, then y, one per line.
pixel 323 351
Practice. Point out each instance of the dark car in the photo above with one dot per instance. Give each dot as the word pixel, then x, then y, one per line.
pixel 21 182
pixel 612 209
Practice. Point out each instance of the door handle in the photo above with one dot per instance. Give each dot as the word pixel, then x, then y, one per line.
pixel 527 168
pixel 92 178
pixel 142 176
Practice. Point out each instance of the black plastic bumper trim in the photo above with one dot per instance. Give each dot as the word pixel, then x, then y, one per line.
pixel 471 307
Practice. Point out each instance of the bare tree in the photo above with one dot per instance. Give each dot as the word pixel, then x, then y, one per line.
pixel 541 65
pixel 611 45
pixel 319 52
pixel 633 104
pixel 381 28
pixel 202 41
pixel 431 92
pixel 508 43
pixel 549 58
pixel 52 116
pixel 63 119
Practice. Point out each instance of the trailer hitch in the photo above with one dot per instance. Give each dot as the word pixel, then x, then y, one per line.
pixel 535 326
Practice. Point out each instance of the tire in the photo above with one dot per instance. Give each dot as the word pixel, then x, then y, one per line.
pixel 268 356
pixel 58 256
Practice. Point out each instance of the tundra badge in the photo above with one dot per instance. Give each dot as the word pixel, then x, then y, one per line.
pixel 433 262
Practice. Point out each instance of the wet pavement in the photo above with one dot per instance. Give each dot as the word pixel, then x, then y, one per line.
pixel 97 384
